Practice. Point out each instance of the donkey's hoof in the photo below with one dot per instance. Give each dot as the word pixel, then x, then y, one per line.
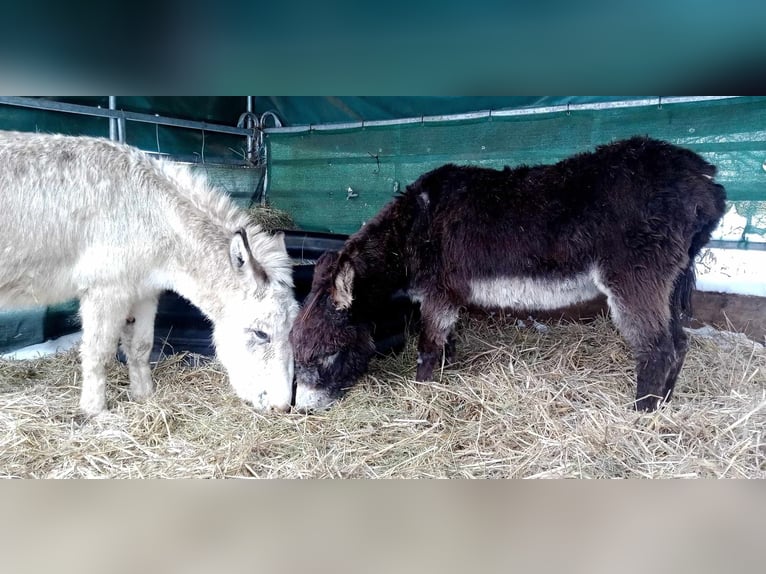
pixel 140 394
pixel 91 410
pixel 92 403
pixel 424 376
pixel 647 403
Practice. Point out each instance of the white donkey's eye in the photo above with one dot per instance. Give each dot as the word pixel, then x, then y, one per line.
pixel 260 336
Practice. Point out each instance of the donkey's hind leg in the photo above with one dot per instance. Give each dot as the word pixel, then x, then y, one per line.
pixel 102 318
pixel 655 359
pixel 641 311
pixel 137 341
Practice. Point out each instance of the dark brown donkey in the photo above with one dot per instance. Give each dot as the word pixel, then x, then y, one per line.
pixel 625 220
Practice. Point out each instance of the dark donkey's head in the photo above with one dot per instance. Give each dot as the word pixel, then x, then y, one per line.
pixel 332 349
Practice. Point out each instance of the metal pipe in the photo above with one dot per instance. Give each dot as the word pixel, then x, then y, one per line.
pixel 243 131
pixel 54 106
pixel 739 245
pixel 113 121
pixel 121 129
pixel 501 113
pixel 265 175
pixel 249 125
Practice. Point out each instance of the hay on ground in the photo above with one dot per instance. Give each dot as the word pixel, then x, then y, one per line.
pixel 548 401
pixel 270 218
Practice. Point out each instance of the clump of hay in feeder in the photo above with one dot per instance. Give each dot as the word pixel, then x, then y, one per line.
pixel 549 400
pixel 270 218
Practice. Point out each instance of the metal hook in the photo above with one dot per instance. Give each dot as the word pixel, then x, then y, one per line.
pixel 245 116
pixel 272 115
pixel 261 125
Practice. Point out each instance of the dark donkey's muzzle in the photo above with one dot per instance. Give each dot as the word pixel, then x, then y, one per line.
pixel 308 392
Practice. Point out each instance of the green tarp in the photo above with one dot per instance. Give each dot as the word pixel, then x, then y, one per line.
pixel 310 173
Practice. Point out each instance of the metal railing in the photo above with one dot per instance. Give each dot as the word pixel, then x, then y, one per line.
pixel 122 116
pixel 654 101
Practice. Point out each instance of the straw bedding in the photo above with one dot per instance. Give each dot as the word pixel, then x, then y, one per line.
pixel 527 400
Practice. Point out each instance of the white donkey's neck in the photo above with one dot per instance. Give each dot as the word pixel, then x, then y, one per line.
pixel 199 268
pixel 203 223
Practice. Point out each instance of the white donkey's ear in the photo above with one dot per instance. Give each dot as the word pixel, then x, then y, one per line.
pixel 279 239
pixel 242 259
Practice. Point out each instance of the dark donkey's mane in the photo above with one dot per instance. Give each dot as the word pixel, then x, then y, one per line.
pixel 378 256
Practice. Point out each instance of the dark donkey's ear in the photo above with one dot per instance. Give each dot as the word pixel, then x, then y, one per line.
pixel 343 283
pixel 242 259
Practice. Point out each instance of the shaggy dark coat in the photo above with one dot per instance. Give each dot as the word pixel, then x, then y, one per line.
pixel 625 220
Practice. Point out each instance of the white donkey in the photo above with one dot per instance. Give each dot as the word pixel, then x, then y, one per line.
pixel 88 218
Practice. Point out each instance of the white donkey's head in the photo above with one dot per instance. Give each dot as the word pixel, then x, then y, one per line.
pixel 251 334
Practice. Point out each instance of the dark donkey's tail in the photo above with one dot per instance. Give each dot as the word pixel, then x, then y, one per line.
pixel 682 294
pixel 709 212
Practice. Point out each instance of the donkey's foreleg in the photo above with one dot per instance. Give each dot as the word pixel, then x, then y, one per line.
pixel 102 319
pixel 450 348
pixel 137 341
pixel 438 318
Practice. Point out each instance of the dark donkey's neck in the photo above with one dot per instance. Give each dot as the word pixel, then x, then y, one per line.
pixel 377 252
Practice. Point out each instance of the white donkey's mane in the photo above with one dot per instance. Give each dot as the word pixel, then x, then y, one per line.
pixel 218 207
